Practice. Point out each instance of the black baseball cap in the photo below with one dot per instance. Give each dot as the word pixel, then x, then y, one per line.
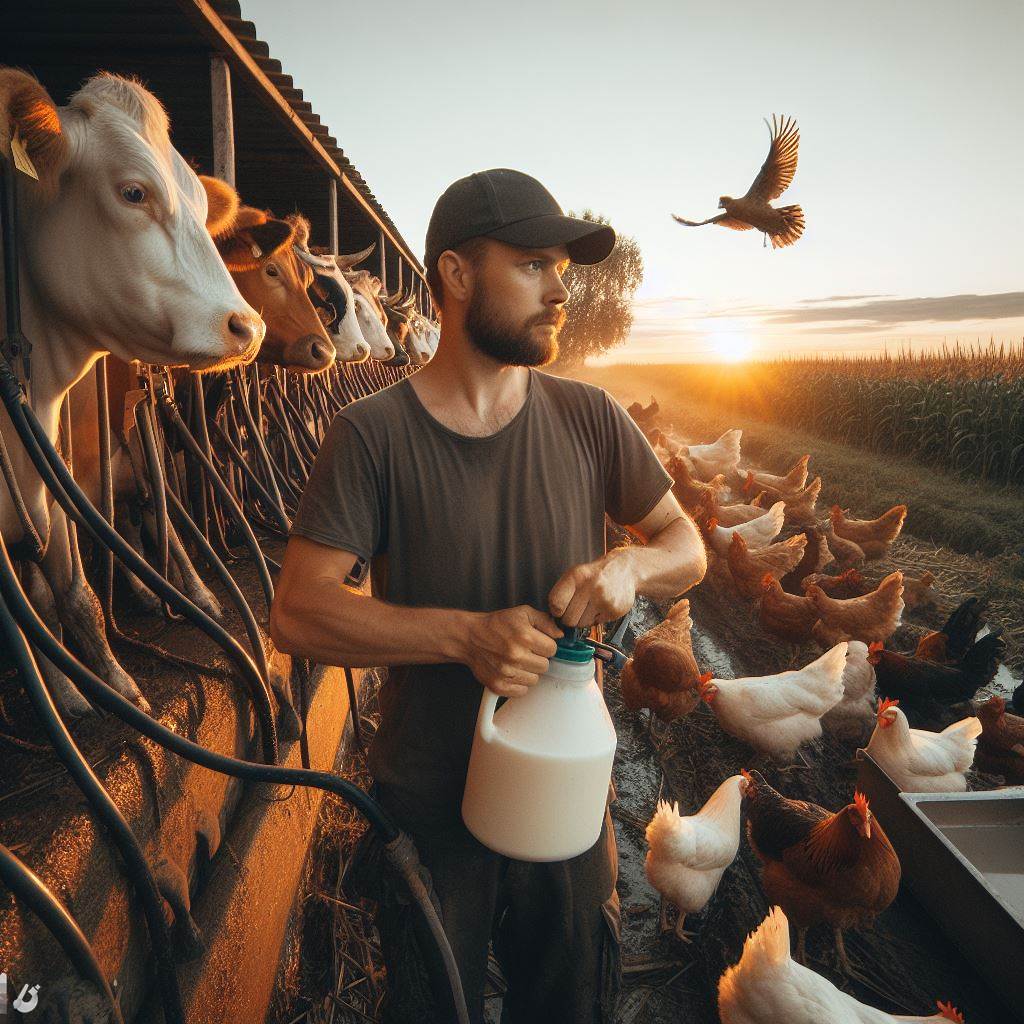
pixel 512 207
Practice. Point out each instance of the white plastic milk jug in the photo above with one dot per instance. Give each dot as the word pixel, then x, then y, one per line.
pixel 539 770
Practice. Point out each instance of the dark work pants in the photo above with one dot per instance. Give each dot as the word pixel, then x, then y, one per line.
pixel 555 929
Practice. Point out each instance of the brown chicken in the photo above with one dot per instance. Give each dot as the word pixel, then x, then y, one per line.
pixel 847 554
pixel 785 615
pixel 816 557
pixel 949 644
pixel 727 515
pixel 870 617
pixel 800 505
pixel 822 868
pixel 689 490
pixel 920 592
pixel 749 568
pixel 842 587
pixel 793 480
pixel 1001 744
pixel 643 416
pixel 662 674
pixel 873 536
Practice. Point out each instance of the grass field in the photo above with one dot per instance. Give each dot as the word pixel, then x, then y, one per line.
pixel 966 530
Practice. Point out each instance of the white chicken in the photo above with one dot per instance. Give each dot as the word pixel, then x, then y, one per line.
pixel 854 714
pixel 775 714
pixel 919 761
pixel 722 456
pixel 688 855
pixel 758 533
pixel 768 987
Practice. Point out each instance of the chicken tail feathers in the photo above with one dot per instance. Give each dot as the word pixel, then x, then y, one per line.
pixel 968 728
pixel 770 940
pixel 664 824
pixel 981 662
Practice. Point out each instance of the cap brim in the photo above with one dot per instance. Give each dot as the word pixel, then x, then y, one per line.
pixel 585 241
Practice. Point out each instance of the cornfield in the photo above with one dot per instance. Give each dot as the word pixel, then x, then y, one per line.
pixel 961 408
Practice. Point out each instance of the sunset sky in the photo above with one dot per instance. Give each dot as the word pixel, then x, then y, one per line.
pixel 911 152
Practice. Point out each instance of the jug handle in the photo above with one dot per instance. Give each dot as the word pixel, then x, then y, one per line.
pixel 485 719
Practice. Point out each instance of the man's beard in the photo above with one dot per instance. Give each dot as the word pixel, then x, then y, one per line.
pixel 505 342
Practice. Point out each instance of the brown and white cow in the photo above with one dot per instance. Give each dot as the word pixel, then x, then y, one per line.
pixel 115 257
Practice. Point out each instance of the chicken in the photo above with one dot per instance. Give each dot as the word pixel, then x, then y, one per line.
pixel 800 504
pixel 920 592
pixel 758 533
pixel 643 416
pixel 842 587
pixel 816 557
pixel 662 674
pixel 914 680
pixel 687 855
pixel 958 633
pixel 749 568
pixel 722 456
pixel 848 555
pixel 768 987
pixel 785 615
pixel 873 616
pixel 822 868
pixel 775 714
pixel 918 761
pixel 1001 746
pixel 688 489
pixel 873 536
pixel 727 515
pixel 854 715
pixel 792 480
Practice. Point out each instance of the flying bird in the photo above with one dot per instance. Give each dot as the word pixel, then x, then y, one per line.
pixel 785 224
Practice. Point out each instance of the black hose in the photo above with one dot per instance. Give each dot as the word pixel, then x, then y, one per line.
pixel 61 483
pixel 32 891
pixel 15 611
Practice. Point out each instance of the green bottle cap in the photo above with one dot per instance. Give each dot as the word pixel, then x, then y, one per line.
pixel 569 649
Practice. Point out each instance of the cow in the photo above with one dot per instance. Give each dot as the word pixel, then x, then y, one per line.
pixel 372 318
pixel 115 257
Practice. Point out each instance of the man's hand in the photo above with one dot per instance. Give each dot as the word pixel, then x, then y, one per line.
pixel 508 650
pixel 595 592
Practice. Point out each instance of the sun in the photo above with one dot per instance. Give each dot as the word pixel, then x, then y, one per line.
pixel 729 341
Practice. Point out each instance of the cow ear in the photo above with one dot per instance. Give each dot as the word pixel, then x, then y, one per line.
pixel 222 205
pixel 300 225
pixel 26 108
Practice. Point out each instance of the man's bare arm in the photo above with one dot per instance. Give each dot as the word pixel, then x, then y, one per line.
pixel 672 560
pixel 314 615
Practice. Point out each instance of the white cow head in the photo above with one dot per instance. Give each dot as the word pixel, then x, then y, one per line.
pixel 417 342
pixel 114 235
pixel 330 290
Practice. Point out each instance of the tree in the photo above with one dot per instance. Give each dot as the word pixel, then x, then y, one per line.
pixel 599 311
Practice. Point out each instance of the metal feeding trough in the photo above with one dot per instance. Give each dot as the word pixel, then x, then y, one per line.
pixel 963 859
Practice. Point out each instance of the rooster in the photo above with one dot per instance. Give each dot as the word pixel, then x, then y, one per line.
pixel 792 480
pixel 784 224
pixel 822 868
pixel 748 567
pixel 855 713
pixel 758 533
pixel 785 615
pixel 873 616
pixel 873 536
pixel 919 761
pixel 768 987
pixel 776 714
pixel 722 456
pixel 662 674
pixel 848 555
pixel 850 583
pixel 1001 746
pixel 959 632
pixel 687 855
pixel 918 681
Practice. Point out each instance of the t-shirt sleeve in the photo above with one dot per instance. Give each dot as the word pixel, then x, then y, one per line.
pixel 343 504
pixel 635 480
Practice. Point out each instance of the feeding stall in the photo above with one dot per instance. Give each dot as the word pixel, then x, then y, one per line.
pixel 184 912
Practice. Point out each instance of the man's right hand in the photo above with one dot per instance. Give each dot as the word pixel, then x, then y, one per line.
pixel 508 650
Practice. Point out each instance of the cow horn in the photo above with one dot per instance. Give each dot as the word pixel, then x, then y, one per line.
pixel 346 262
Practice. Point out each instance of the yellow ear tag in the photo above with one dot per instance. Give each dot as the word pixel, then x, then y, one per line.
pixel 21 158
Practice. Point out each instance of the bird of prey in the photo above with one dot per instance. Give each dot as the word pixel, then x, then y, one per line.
pixel 784 224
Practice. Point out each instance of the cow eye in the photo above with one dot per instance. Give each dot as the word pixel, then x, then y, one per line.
pixel 272 270
pixel 132 192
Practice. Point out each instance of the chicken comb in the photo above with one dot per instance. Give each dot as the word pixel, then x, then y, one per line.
pixel 876 645
pixel 705 677
pixel 885 704
pixel 861 803
pixel 950 1012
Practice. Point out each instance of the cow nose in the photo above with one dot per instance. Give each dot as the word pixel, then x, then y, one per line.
pixel 362 350
pixel 389 352
pixel 310 353
pixel 245 330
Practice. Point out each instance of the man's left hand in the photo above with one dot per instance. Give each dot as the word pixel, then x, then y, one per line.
pixel 595 592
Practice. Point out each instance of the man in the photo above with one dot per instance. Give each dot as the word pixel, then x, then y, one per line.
pixel 477 489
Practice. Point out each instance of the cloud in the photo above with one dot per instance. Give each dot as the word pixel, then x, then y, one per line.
pixel 842 298
pixel 885 313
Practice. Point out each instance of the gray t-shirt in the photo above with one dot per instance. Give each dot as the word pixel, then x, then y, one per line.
pixel 475 523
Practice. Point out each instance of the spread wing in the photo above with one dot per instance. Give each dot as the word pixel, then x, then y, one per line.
pixel 723 218
pixel 777 171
